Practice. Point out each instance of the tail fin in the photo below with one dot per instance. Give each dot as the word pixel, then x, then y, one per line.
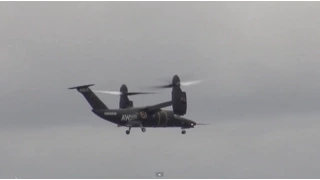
pixel 92 99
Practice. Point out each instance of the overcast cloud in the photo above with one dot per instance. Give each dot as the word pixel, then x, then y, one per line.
pixel 261 96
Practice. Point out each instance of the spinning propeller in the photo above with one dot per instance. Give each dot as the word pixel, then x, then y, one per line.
pixel 123 91
pixel 201 124
pixel 177 83
pixel 118 93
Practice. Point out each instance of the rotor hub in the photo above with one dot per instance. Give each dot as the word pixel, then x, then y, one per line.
pixel 123 88
pixel 176 80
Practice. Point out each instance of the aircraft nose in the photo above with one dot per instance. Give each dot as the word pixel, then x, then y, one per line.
pixel 192 123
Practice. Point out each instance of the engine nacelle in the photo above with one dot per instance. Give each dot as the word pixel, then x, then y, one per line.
pixel 125 102
pixel 179 99
pixel 130 104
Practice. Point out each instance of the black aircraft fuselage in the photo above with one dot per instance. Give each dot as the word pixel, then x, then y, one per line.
pixel 134 117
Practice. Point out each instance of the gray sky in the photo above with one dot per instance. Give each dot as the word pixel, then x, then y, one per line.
pixel 261 98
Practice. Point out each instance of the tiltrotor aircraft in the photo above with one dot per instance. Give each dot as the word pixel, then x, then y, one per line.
pixel 148 116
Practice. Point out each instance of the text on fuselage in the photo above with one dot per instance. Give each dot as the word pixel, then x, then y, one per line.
pixel 110 113
pixel 129 117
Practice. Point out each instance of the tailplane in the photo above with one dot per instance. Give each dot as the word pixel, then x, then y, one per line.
pixel 92 99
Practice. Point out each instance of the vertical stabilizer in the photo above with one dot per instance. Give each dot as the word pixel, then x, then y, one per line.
pixel 92 99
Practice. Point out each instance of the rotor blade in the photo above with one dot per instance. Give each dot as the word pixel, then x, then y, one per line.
pixel 168 79
pixel 201 124
pixel 117 93
pixel 189 83
pixel 184 83
pixel 136 93
pixel 163 86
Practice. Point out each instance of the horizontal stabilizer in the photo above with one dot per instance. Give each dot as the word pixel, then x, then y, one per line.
pixel 92 99
pixel 83 86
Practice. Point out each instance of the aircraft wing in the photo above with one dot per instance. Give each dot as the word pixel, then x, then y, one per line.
pixel 157 107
